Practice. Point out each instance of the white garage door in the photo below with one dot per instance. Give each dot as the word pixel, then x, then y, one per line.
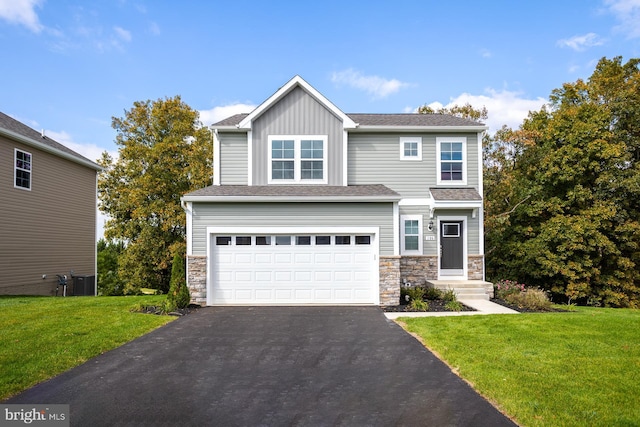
pixel 293 269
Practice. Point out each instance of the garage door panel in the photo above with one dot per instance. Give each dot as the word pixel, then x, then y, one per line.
pixel 243 276
pixel 283 276
pixel 322 276
pixel 264 294
pixel 264 276
pixel 262 258
pixel 343 276
pixel 283 258
pixel 302 276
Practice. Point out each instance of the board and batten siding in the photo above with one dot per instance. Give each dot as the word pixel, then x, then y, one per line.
pixel 49 230
pixel 375 159
pixel 292 215
pixel 233 159
pixel 298 113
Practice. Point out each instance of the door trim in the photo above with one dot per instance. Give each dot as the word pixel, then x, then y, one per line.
pixel 465 246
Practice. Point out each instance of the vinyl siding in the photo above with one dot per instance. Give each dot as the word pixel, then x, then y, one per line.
pixel 233 159
pixel 298 113
pixel 49 230
pixel 291 215
pixel 473 228
pixel 375 159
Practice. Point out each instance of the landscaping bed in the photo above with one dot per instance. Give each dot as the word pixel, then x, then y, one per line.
pixel 434 306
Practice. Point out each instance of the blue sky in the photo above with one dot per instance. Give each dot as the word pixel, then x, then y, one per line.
pixel 69 66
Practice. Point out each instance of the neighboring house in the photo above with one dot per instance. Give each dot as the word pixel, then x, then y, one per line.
pixel 310 205
pixel 47 213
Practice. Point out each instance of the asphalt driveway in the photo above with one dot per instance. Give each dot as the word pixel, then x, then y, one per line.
pixel 269 366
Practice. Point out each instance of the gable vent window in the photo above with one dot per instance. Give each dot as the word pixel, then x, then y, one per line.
pixel 22 171
pixel 298 159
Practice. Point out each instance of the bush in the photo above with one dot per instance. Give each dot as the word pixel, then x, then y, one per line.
pixel 178 296
pixel 503 288
pixel 414 294
pixel 449 295
pixel 531 299
pixel 419 305
pixel 454 305
pixel 433 293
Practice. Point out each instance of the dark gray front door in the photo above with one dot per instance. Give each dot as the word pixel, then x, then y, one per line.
pixel 452 245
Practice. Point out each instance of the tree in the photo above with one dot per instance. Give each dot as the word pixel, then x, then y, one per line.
pixel 570 218
pixel 178 295
pixel 107 262
pixel 164 152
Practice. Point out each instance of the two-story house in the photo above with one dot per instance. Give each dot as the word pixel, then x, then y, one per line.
pixel 310 205
pixel 47 214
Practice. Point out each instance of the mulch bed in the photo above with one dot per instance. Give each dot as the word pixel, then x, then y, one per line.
pixel 524 309
pixel 434 305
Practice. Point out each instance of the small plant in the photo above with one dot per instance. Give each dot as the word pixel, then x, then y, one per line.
pixel 454 305
pixel 503 288
pixel 419 305
pixel 416 293
pixel 449 295
pixel 433 293
pixel 531 299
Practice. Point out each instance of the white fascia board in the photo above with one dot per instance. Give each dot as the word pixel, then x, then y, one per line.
pixel 457 204
pixel 288 199
pixel 365 128
pixel 216 157
pixel 44 147
pixel 296 81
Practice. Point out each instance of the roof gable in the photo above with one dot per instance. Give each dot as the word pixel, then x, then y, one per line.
pixel 296 81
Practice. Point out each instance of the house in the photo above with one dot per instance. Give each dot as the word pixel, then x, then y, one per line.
pixel 310 205
pixel 47 214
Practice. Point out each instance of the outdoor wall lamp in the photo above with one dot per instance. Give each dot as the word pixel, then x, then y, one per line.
pixel 430 226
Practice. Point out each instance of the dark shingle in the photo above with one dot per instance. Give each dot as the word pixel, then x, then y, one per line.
pixel 328 191
pixel 455 194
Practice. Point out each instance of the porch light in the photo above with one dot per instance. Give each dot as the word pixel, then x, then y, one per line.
pixel 430 226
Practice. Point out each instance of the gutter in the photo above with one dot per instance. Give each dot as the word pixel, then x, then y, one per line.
pixel 291 199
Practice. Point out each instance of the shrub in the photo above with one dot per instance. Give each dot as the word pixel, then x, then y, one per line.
pixel 419 305
pixel 503 288
pixel 178 296
pixel 449 295
pixel 532 299
pixel 415 294
pixel 454 305
pixel 433 293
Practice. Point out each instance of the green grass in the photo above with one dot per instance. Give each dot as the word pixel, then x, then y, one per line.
pixel 43 336
pixel 561 369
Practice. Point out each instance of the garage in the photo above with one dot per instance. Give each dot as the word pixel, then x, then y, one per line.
pixel 296 267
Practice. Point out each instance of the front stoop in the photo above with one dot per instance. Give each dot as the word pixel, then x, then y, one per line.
pixel 465 289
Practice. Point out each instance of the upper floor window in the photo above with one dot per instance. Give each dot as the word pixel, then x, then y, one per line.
pixel 451 153
pixel 410 148
pixel 300 159
pixel 22 169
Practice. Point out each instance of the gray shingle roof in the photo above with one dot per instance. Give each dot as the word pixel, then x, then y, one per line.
pixel 312 191
pixel 11 124
pixel 400 120
pixel 455 194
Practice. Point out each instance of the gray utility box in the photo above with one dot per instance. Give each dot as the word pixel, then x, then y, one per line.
pixel 84 285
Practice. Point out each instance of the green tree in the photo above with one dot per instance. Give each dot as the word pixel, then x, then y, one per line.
pixel 570 209
pixel 108 281
pixel 164 152
pixel 178 295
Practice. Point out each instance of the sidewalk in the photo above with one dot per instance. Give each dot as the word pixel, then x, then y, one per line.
pixel 482 307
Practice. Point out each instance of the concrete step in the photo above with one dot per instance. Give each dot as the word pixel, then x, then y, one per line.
pixel 465 289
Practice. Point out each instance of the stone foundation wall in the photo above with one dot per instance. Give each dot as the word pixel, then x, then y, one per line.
pixel 197 279
pixel 476 267
pixel 389 280
pixel 416 269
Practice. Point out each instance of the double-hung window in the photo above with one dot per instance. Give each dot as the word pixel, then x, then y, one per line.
pixel 22 169
pixel 451 152
pixel 298 159
pixel 410 148
pixel 411 234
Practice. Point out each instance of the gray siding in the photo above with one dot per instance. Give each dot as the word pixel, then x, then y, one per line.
pixel 375 159
pixel 233 159
pixel 49 230
pixel 291 215
pixel 298 113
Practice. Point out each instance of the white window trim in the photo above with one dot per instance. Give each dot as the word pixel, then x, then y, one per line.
pixel 404 218
pixel 439 141
pixel 15 169
pixel 417 139
pixel 297 161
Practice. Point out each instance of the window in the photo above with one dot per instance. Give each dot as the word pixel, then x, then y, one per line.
pixel 283 240
pixel 411 234
pixel 298 159
pixel 451 160
pixel 450 230
pixel 363 240
pixel 223 240
pixel 411 148
pixel 22 170
pixel 263 240
pixel 243 241
pixel 303 240
pixel 323 240
pixel 343 240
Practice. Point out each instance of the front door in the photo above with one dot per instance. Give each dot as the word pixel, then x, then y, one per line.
pixel 451 248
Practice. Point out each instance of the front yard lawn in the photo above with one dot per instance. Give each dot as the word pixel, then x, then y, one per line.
pixel 45 336
pixel 566 369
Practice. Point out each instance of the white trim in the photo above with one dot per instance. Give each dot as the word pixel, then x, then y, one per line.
pixel 416 202
pixel 480 168
pixel 345 158
pixel 406 139
pixel 216 157
pixel 300 199
pixel 396 229
pixel 439 141
pixel 188 208
pixel 288 87
pixel 250 158
pixel 465 247
pixel 403 219
pixel 15 169
pixel 297 160
pixel 439 129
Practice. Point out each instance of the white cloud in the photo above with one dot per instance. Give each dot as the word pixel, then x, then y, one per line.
pixel 154 28
pixel 628 13
pixel 581 43
pixel 379 87
pixel 485 53
pixel 122 34
pixel 90 151
pixel 504 107
pixel 21 12
pixel 219 113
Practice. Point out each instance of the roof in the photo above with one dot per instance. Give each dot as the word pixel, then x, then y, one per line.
pixel 384 120
pixel 274 193
pixel 14 129
pixel 457 194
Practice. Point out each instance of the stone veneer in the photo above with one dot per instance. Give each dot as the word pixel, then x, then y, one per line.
pixel 389 280
pixel 416 269
pixel 475 267
pixel 197 279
